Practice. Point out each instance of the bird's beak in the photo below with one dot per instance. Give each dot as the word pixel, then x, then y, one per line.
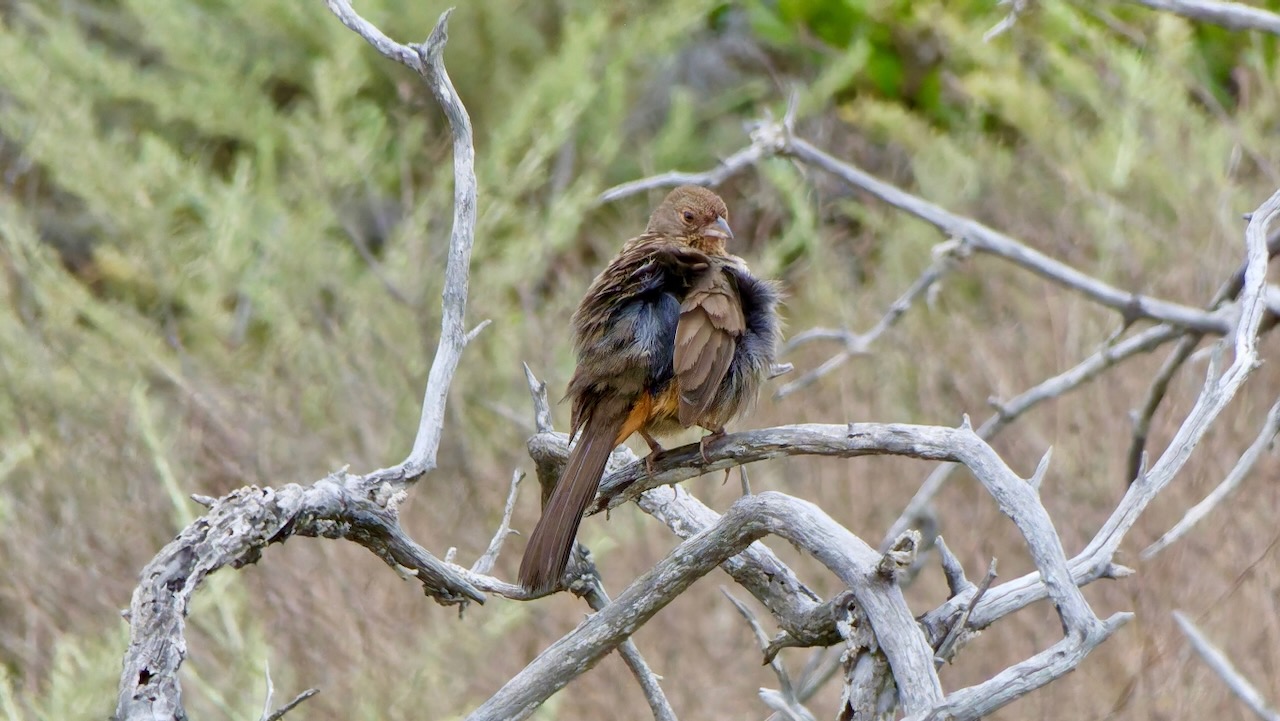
pixel 719 229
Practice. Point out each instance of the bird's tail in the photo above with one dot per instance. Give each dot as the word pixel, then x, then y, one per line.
pixel 551 542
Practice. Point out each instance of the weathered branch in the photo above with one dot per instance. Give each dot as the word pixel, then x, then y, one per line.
pixel 729 167
pixel 1237 475
pixel 1228 291
pixel 234 533
pixel 983 239
pixel 1106 357
pixel 360 508
pixel 748 519
pixel 786 699
pixel 1014 495
pixel 428 60
pixel 484 564
pixel 1225 670
pixel 756 569
pixel 648 680
pixel 944 258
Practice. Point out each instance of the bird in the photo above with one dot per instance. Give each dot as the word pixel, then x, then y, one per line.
pixel 674 332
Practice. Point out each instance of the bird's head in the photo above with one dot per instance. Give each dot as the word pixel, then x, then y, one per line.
pixel 695 215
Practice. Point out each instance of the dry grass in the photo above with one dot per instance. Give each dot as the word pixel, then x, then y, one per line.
pixel 107 422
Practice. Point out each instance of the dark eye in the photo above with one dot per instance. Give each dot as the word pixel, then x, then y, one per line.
pixel 688 215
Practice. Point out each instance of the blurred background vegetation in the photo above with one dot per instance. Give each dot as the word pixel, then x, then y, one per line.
pixel 222 230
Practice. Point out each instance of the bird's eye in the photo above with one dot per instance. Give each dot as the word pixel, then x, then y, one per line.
pixel 688 215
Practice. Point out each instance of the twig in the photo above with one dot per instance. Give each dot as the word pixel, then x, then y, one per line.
pixel 785 700
pixel 983 239
pixel 1016 8
pixel 1006 413
pixel 1226 671
pixel 280 712
pixel 484 564
pixel 1229 290
pixel 715 177
pixel 1237 475
pixel 428 60
pixel 597 598
pixel 957 582
pixel 1155 396
pixel 859 343
pixel 1230 15
pixel 947 649
pixel 786 705
pixel 541 407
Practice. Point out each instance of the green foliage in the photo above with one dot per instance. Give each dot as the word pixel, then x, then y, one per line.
pixel 909 51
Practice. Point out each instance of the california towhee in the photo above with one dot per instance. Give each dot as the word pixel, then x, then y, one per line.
pixel 675 332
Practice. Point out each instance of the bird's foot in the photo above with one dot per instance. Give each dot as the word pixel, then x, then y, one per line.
pixel 655 450
pixel 715 435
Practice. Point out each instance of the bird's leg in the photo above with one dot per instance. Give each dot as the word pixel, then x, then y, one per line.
pixel 655 448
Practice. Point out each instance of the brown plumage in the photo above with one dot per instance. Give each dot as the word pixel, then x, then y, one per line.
pixel 674 332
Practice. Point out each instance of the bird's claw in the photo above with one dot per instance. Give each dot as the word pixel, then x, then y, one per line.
pixel 702 443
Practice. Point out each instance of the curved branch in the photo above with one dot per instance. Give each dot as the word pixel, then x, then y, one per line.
pixel 428 60
pixel 360 508
pixel 234 533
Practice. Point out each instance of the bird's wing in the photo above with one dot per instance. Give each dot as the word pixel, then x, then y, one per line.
pixel 710 324
pixel 625 326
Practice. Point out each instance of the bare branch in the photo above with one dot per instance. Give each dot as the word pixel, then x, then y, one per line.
pixel 1016 8
pixel 280 712
pixel 788 707
pixel 234 533
pixel 728 168
pixel 1096 560
pixel 1222 666
pixel 428 60
pixel 1014 495
pixel 950 644
pixel 957 582
pixel 756 569
pixel 1230 15
pixel 858 344
pixel 1237 475
pixel 1229 290
pixel 986 240
pixel 648 680
pixel 541 407
pixel 785 700
pixel 1155 396
pixel 1218 391
pixel 975 702
pixel 484 564
pixel 1006 413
